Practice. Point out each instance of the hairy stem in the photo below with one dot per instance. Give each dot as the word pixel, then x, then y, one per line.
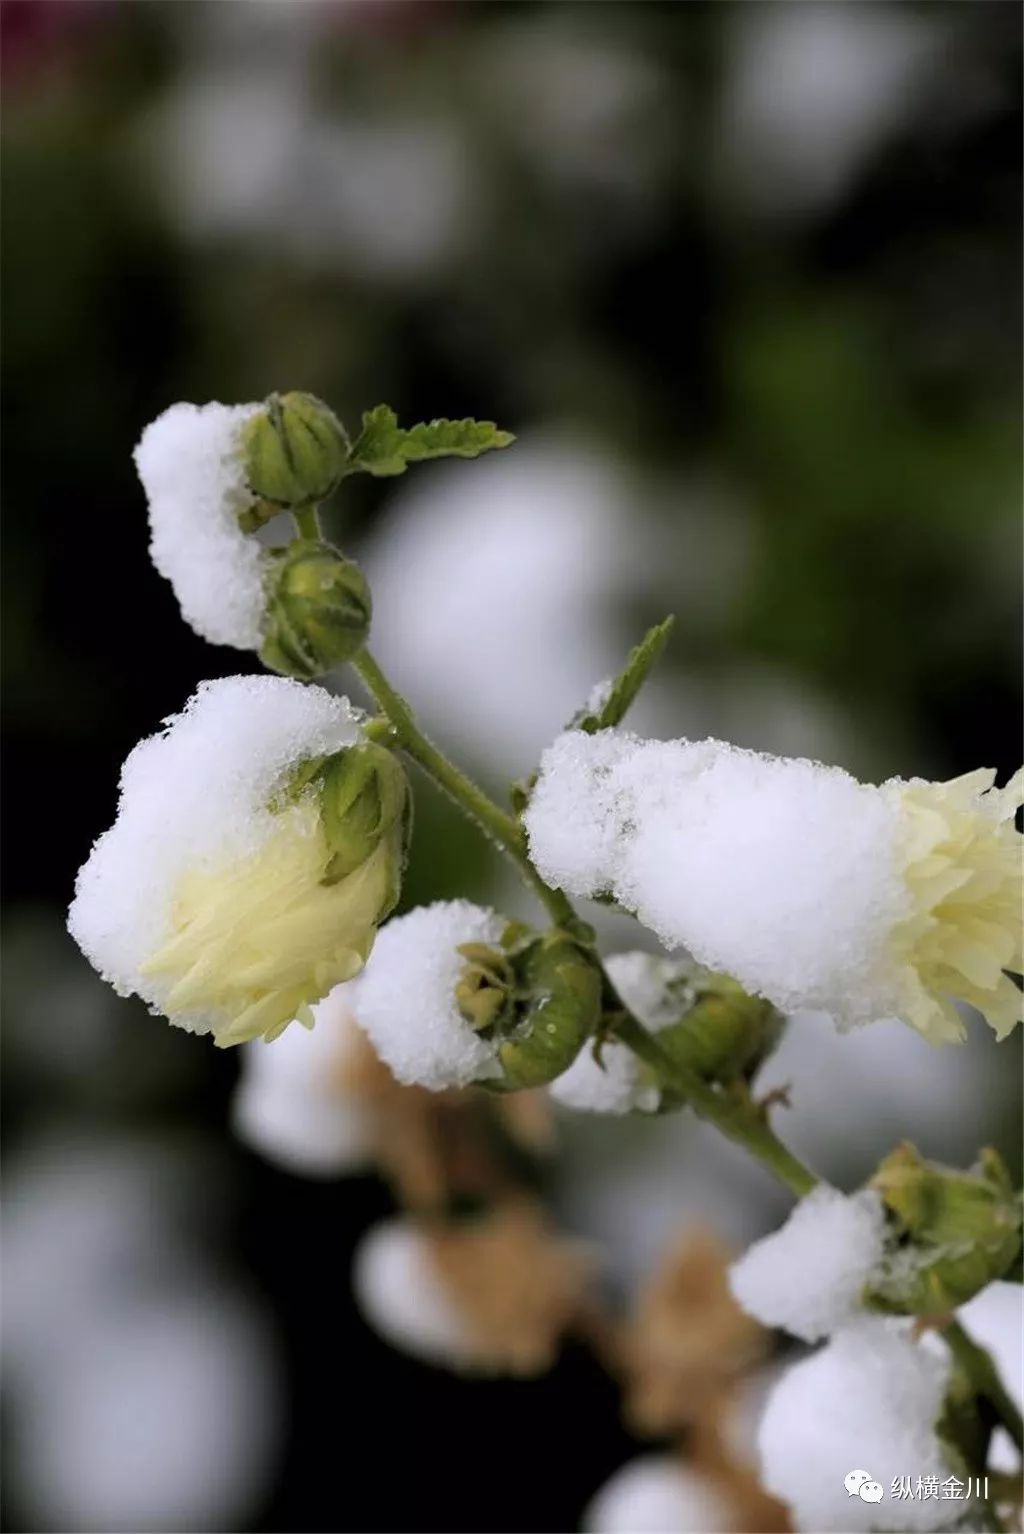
pixel 501 827
pixel 738 1117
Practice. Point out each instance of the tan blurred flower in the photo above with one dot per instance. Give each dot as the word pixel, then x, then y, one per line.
pixel 688 1341
pixel 516 1284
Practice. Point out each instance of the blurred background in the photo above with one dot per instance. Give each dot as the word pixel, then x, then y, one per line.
pixel 744 279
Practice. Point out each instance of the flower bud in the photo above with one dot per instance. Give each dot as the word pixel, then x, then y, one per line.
pixel 318 611
pixel 296 450
pixel 956 1231
pixel 364 801
pixel 540 997
pixel 726 1034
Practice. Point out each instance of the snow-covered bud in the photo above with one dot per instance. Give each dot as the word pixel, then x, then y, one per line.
pixel 250 862
pixel 810 1276
pixel 815 891
pixel 705 1021
pixel 455 994
pixel 957 1231
pixel 318 610
pixel 872 1397
pixel 191 461
pixel 296 450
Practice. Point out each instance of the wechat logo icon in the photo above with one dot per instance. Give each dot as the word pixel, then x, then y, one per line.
pixel 860 1484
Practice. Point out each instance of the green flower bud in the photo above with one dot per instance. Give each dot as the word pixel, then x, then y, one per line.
pixel 364 801
pixel 955 1231
pixel 726 1034
pixel 706 1022
pixel 296 451
pixel 318 611
pixel 539 996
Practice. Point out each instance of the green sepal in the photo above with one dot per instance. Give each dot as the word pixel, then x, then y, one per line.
pixel 364 795
pixel 384 448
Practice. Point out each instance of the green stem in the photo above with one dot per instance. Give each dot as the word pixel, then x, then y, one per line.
pixel 501 827
pixel 977 1364
pixel 738 1117
pixel 308 522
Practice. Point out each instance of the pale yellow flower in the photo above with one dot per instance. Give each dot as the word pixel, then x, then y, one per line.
pixel 258 844
pixel 260 941
pixel 962 867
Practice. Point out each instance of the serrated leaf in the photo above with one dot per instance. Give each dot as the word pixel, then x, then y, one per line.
pixel 384 448
pixel 628 683
pixel 378 446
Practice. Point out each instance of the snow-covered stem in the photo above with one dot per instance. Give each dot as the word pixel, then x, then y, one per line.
pixel 976 1363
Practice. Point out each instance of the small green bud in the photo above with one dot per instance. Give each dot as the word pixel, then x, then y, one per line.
pixel 538 997
pixel 704 1021
pixel 296 451
pixel 364 799
pixel 726 1034
pixel 318 611
pixel 955 1231
pixel 560 987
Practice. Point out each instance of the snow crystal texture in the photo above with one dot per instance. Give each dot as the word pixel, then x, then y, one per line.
pixel 192 470
pixel 405 997
pixel 195 795
pixel 783 873
pixel 808 1277
pixel 869 1398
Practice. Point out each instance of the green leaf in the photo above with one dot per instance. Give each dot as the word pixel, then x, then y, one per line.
pixel 385 448
pixel 628 683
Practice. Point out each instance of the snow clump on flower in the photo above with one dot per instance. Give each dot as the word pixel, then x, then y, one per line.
pixel 206 897
pixel 872 1397
pixel 813 890
pixel 808 1277
pixel 405 999
pixel 191 461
